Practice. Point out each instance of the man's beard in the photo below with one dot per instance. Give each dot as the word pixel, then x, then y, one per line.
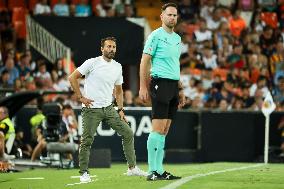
pixel 109 55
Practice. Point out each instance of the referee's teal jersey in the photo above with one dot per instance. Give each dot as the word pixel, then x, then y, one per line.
pixel 165 49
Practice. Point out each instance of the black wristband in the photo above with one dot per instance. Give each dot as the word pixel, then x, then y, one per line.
pixel 120 109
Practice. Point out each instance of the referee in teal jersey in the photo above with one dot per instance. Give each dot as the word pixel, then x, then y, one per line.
pixel 161 53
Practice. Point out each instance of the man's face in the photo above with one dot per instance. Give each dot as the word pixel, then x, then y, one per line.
pixel 109 49
pixel 2 114
pixel 169 17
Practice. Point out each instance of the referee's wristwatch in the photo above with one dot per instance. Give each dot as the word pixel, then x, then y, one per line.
pixel 120 109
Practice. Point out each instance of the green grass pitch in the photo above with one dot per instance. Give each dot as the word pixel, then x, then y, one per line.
pixel 269 176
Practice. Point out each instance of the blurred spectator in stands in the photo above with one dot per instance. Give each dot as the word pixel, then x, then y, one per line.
pixel 105 9
pixel 202 34
pixel 73 101
pixel 226 3
pixel 187 10
pixel 237 24
pixel 197 103
pixel 269 5
pixel 224 52
pixel 236 59
pixel 247 99
pixel 268 41
pixel 70 120
pixel 237 103
pixel 278 92
pixel 5 77
pixel 13 71
pixel 42 8
pixel 207 10
pixel 61 8
pixel 24 67
pixel 209 59
pixel 83 9
pixel 6 129
pixel 261 85
pixel 277 61
pixel 223 105
pixel 128 11
pixel 214 22
pixel 190 90
pixel 223 94
pixel 59 68
pixel 190 59
pixel 128 99
pixel 42 73
pixel 256 22
pixel 18 85
pixel 258 100
pixel 29 84
pixel 206 78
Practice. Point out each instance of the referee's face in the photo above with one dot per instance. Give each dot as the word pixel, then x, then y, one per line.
pixel 169 17
pixel 109 49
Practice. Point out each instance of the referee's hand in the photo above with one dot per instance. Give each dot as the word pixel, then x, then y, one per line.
pixel 182 99
pixel 143 94
pixel 86 101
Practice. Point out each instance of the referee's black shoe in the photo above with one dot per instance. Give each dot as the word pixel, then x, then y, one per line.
pixel 169 176
pixel 154 176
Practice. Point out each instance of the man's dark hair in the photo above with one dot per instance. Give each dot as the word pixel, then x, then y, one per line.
pixel 67 106
pixel 165 6
pixel 106 39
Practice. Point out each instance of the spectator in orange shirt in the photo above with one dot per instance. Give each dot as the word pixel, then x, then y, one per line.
pixel 237 24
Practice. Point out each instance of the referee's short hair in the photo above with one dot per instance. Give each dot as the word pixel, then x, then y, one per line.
pixel 165 6
pixel 106 39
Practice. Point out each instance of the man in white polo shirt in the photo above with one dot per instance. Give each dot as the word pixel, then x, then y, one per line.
pixel 102 75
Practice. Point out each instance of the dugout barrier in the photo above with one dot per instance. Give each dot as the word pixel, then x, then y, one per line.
pixel 207 136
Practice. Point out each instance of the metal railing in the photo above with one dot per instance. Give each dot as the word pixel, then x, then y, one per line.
pixel 46 43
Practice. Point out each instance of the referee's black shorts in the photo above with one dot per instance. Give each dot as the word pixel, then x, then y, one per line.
pixel 165 98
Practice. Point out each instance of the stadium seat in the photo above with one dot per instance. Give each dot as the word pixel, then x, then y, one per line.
pixel 270 18
pixel 76 2
pixel 32 4
pixel 16 3
pixel 52 3
pixel 19 21
pixel 3 6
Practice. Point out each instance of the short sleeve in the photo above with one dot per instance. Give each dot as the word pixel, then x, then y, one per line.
pixel 151 44
pixel 85 68
pixel 119 80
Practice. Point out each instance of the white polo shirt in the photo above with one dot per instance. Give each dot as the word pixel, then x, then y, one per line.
pixel 100 78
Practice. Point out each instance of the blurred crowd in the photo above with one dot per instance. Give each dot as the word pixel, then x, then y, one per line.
pixel 232 52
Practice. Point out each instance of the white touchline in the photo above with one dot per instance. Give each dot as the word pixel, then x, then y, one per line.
pixel 79 176
pixel 32 178
pixel 189 178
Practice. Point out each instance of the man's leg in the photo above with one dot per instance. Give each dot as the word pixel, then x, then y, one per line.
pixel 38 149
pixel 120 126
pixel 161 148
pixel 91 120
pixel 153 142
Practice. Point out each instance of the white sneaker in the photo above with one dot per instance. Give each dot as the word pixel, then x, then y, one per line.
pixel 7 157
pixel 136 172
pixel 85 177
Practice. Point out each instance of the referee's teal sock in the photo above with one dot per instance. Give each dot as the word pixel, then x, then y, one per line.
pixel 160 154
pixel 152 147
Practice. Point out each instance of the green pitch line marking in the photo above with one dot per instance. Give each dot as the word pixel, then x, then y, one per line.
pixel 32 178
pixel 189 178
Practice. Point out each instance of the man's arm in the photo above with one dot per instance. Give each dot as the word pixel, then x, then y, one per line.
pixel 145 66
pixel 119 101
pixel 73 79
